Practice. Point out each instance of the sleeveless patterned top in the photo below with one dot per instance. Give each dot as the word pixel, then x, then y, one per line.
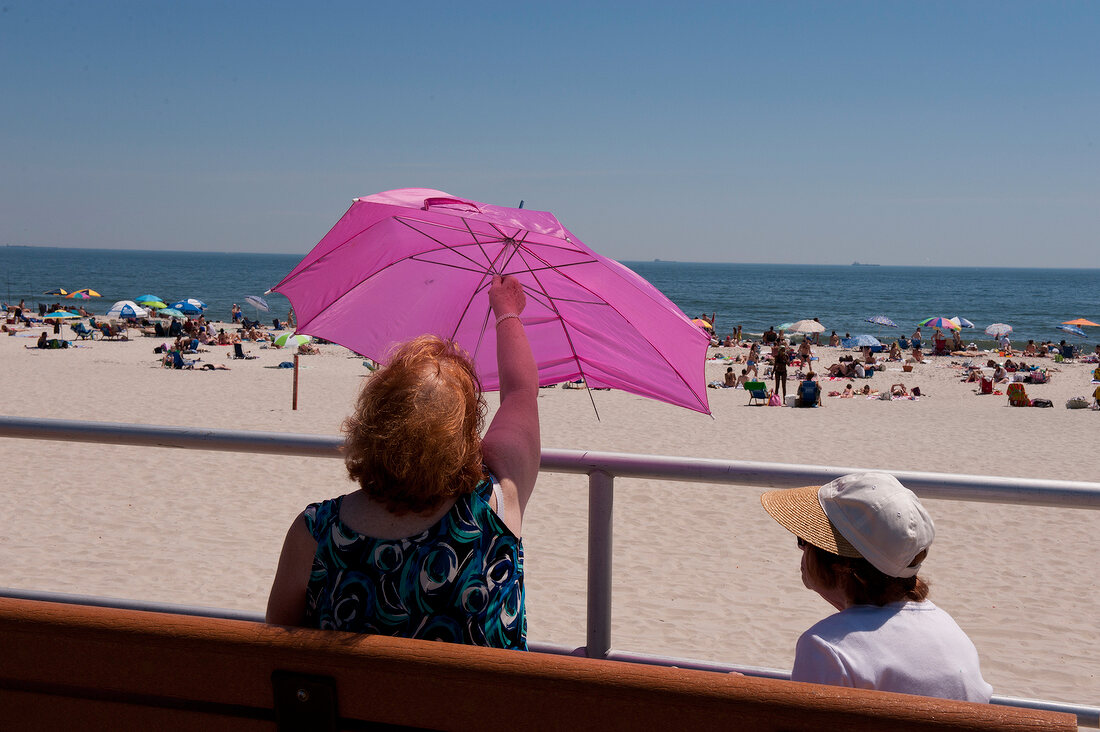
pixel 460 580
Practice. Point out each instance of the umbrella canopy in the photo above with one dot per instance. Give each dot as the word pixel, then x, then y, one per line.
pixel 859 341
pixel 292 339
pixel 257 302
pixel 126 309
pixel 89 292
pixel 172 312
pixel 703 324
pixel 187 307
pixel 56 291
pixel 153 304
pixel 962 322
pixel 1067 328
pixel 882 320
pixel 60 314
pixel 938 322
pixel 806 326
pixel 1076 321
pixel 192 301
pixel 148 298
pixel 998 329
pixel 78 295
pixel 426 260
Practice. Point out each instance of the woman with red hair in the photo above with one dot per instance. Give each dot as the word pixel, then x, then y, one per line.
pixel 429 545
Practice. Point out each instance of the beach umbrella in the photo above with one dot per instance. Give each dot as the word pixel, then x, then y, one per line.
pixel 148 298
pixel 60 315
pixel 806 326
pixel 1077 321
pixel 78 295
pixel 257 302
pixel 187 307
pixel 998 329
pixel 859 341
pixel 703 324
pixel 126 309
pixel 89 292
pixel 962 322
pixel 938 322
pixel 152 304
pixel 192 301
pixel 426 260
pixel 783 327
pixel 171 312
pixel 292 339
pixel 1072 329
pixel 56 291
pixel 882 320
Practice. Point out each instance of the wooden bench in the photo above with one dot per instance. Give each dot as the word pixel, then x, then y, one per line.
pixel 90 668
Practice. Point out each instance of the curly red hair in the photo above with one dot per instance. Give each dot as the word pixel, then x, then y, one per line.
pixel 414 440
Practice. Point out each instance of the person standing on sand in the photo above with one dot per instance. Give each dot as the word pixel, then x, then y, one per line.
pixel 780 370
pixel 863 538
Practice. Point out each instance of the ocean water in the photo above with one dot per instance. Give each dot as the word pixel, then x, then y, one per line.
pixel 755 296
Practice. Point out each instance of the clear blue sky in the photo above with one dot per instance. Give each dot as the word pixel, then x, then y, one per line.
pixel 818 132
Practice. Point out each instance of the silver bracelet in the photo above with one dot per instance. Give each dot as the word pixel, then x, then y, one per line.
pixel 504 317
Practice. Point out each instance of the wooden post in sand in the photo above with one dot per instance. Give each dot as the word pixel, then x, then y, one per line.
pixel 295 403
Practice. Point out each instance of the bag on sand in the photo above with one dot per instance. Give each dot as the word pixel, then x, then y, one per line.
pixel 1077 402
pixel 1042 403
pixel 775 401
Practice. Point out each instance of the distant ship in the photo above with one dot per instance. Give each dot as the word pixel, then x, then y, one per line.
pixel 863 264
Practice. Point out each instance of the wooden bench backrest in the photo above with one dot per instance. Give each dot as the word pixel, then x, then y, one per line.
pixel 72 666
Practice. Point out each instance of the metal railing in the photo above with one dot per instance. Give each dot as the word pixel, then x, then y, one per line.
pixel 601 468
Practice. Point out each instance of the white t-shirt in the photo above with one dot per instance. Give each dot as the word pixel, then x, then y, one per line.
pixel 906 647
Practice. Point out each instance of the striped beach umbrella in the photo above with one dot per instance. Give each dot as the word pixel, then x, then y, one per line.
pixel 292 339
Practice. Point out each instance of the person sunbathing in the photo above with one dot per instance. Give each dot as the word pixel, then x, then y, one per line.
pixel 918 357
pixel 848 392
pixel 895 352
pixel 899 390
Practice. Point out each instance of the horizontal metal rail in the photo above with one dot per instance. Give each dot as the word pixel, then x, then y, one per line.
pixel 602 468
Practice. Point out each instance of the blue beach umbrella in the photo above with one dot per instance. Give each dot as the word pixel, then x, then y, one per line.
pixel 187 307
pixel 882 320
pixel 962 322
pixel 171 312
pixel 859 341
pixel 1072 329
pixel 148 298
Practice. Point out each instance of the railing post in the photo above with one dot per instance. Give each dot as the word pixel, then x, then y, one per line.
pixel 601 499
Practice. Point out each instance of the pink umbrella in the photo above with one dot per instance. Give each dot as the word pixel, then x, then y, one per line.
pixel 406 262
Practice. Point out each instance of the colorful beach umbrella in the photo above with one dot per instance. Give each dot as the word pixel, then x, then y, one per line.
pixel 1081 321
pixel 882 320
pixel 292 339
pixel 170 312
pixel 56 291
pixel 60 315
pixel 998 329
pixel 89 292
pixel 148 298
pixel 153 304
pixel 78 295
pixel 962 322
pixel 938 322
pixel 425 259
pixel 703 324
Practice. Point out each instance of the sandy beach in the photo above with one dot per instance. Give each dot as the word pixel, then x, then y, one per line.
pixel 700 570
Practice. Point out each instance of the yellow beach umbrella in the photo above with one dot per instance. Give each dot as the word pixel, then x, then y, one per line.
pixel 90 292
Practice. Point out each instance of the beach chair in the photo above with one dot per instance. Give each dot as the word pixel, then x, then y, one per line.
pixel 82 330
pixel 1017 395
pixel 179 362
pixel 239 352
pixel 758 392
pixel 987 386
pixel 808 392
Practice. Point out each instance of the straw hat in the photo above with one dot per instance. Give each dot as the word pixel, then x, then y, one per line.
pixel 867 515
